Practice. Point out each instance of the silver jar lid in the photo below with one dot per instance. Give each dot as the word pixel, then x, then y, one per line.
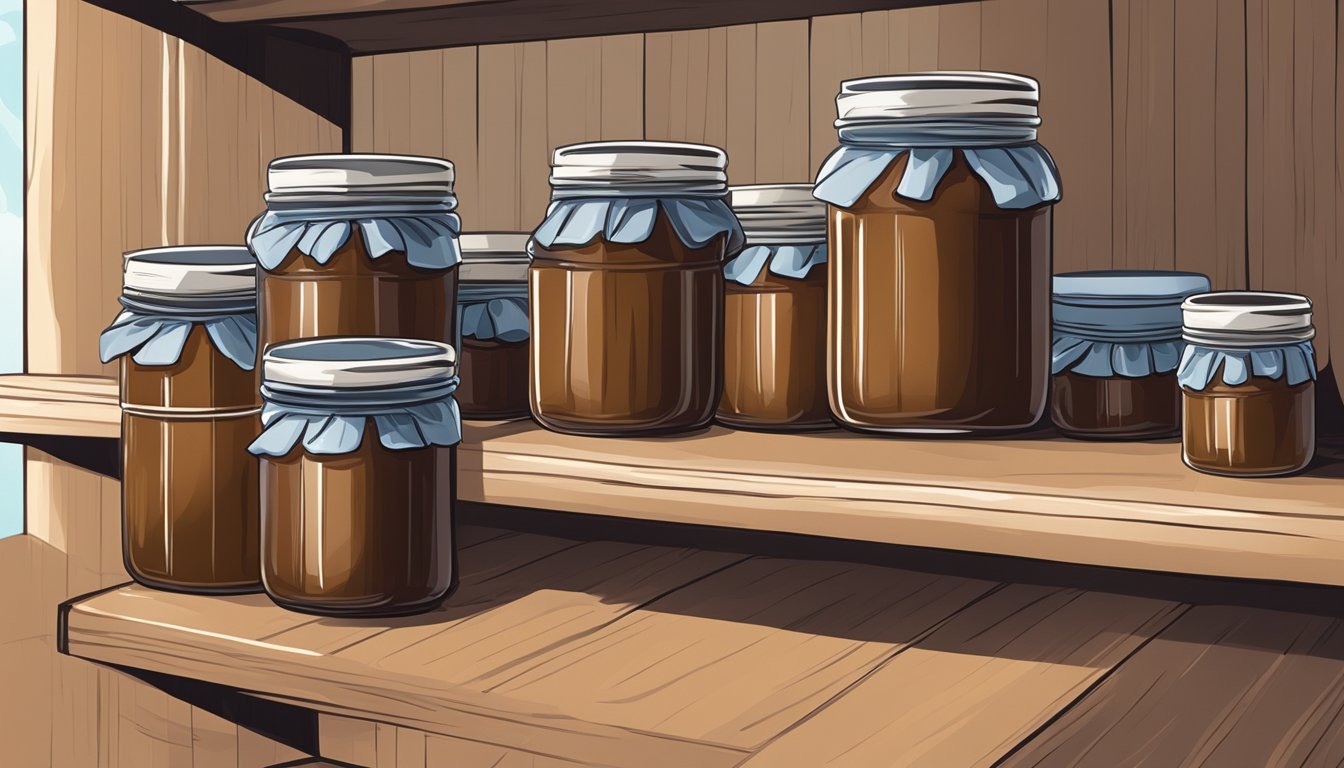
pixel 190 272
pixel 494 257
pixel 359 363
pixel 648 168
pixel 779 213
pixel 391 178
pixel 1247 319
pixel 964 108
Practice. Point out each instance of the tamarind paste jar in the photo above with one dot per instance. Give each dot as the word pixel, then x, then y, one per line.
pixel 940 256
pixel 1117 342
pixel 358 245
pixel 187 340
pixel 774 359
pixel 358 470
pixel 626 289
pixel 492 323
pixel 1248 376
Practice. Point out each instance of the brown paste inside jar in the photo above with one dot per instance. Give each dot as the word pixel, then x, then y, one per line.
pixel 189 486
pixel 493 379
pixel 355 295
pixel 1261 427
pixel 367 533
pixel 774 353
pixel 627 339
pixel 1116 407
pixel 940 310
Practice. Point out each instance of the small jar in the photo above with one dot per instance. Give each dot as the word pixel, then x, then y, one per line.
pixel 187 339
pixel 774 339
pixel 357 245
pixel 492 321
pixel 357 475
pixel 940 256
pixel 1248 376
pixel 1117 342
pixel 626 289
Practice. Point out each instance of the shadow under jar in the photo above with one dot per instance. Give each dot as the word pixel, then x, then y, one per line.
pixel 1248 376
pixel 187 343
pixel 626 289
pixel 774 361
pixel 357 245
pixel 492 321
pixel 940 256
pixel 358 472
pixel 1117 342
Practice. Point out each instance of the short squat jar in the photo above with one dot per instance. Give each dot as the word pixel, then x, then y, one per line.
pixel 357 245
pixel 774 356
pixel 357 475
pixel 187 340
pixel 626 289
pixel 940 205
pixel 1117 342
pixel 1248 376
pixel 492 321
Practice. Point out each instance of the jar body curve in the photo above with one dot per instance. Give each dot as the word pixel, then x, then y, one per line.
pixel 1259 428
pixel 1116 407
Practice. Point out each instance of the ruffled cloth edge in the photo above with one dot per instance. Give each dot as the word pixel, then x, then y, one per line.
pixel 1018 177
pixel 791 261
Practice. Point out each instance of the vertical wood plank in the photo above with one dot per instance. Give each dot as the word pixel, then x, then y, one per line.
pixel 1335 262
pixel 411 749
pixel 535 151
pixel 214 742
pixel 838 53
pixel 459 125
pixel 424 113
pixel 782 110
pixel 348 740
pixel 499 132
pixel 1013 37
pixel 257 751
pixel 1076 113
pixel 918 32
pixel 685 88
pixel 1210 179
pixel 740 132
pixel 959 36
pixel 622 87
pixel 574 90
pixel 362 89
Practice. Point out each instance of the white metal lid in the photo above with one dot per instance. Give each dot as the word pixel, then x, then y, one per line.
pixel 322 177
pixel 928 95
pixel 1247 318
pixel 494 257
pixel 190 271
pixel 651 166
pixel 779 213
pixel 1124 287
pixel 359 363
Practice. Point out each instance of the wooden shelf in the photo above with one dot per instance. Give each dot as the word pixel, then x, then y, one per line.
pixel 59 406
pixel 1129 505
pixel 382 26
pixel 600 653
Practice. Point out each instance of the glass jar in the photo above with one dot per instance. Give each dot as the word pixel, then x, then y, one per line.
pixel 358 468
pixel 1248 376
pixel 939 228
pixel 492 322
pixel 774 356
pixel 627 291
pixel 187 339
pixel 1117 342
pixel 357 245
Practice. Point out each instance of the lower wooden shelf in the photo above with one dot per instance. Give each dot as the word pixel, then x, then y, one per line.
pixel 1129 505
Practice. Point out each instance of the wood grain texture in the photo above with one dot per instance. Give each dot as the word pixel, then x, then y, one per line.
pixel 976 686
pixel 1221 686
pixel 83 406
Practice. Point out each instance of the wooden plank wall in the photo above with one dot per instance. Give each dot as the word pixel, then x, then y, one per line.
pixel 135 140
pixel 1198 134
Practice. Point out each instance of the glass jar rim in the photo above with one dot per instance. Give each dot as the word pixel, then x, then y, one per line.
pixel 359 363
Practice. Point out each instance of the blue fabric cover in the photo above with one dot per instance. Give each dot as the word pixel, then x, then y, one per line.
pixel 1200 364
pixel 630 220
pixel 1018 177
pixel 332 423
pixel 493 311
pixel 158 339
pixel 1093 357
pixel 793 261
pixel 427 234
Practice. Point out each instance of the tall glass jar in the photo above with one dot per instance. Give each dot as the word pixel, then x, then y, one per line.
pixel 358 245
pixel 1248 376
pixel 626 289
pixel 774 358
pixel 358 467
pixel 1117 341
pixel 940 217
pixel 187 339
pixel 492 323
